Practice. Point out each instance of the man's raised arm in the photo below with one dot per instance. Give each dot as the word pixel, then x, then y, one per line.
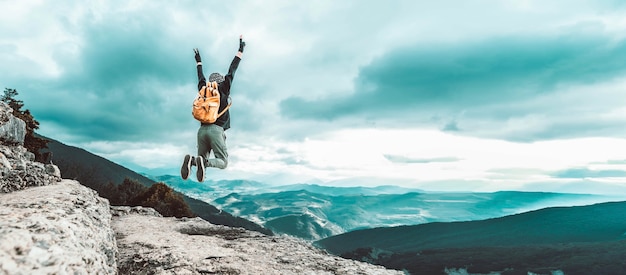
pixel 201 79
pixel 234 64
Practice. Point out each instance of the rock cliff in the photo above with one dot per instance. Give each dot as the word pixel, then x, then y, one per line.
pixel 63 228
pixel 18 169
pixel 54 226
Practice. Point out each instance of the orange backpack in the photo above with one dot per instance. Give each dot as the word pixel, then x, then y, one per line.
pixel 206 105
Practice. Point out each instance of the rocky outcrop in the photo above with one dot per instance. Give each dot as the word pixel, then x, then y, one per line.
pixel 63 228
pixel 157 245
pixel 18 170
pixel 66 228
pixel 12 129
pixel 117 211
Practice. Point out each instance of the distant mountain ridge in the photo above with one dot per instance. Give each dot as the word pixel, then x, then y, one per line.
pixel 592 223
pixel 94 171
pixel 218 188
pixel 313 211
pixel 580 236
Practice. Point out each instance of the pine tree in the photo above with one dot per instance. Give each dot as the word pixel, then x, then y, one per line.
pixel 32 143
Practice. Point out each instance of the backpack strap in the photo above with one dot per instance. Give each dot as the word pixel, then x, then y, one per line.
pixel 225 109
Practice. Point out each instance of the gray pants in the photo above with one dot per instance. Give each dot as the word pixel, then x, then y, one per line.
pixel 212 138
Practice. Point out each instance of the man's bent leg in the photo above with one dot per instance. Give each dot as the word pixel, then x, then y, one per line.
pixel 204 150
pixel 217 139
pixel 204 141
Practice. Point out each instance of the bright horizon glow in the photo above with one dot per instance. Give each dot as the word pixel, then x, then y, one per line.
pixel 433 156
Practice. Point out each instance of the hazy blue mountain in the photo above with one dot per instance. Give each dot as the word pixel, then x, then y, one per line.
pixel 209 190
pixel 306 226
pixel 343 191
pixel 577 240
pixel 95 172
pixel 313 211
pixel 337 214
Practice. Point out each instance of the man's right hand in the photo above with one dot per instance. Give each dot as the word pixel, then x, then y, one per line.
pixel 241 43
pixel 197 55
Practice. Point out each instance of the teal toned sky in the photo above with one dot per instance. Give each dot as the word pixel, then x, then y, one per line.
pixel 477 95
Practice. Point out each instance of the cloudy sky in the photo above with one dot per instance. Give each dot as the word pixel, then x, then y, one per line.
pixel 442 95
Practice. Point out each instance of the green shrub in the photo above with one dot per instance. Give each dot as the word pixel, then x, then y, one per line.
pixel 164 200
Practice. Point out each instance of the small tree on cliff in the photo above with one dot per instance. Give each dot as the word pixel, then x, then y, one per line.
pixel 31 142
pixel 164 200
pixel 127 192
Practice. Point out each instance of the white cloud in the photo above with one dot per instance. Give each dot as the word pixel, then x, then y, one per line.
pixel 147 155
pixel 491 164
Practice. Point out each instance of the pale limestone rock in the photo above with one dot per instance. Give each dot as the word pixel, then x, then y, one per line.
pixel 18 170
pixel 56 229
pixel 156 245
pixel 4 162
pixel 117 211
pixel 5 167
pixel 29 156
pixel 12 129
pixel 53 170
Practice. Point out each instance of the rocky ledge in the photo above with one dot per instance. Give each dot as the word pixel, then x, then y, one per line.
pixel 156 245
pixel 63 228
pixel 66 228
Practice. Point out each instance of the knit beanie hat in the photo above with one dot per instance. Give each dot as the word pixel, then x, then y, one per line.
pixel 216 77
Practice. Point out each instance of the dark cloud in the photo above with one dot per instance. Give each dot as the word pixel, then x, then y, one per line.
pixel 124 49
pixel 452 126
pixel 131 78
pixel 550 124
pixel 483 77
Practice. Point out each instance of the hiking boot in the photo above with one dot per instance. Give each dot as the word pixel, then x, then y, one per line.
pixel 200 170
pixel 186 168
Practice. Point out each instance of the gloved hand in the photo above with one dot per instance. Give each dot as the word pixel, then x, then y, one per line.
pixel 241 43
pixel 197 55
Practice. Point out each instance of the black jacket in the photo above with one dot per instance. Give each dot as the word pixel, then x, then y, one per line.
pixel 224 88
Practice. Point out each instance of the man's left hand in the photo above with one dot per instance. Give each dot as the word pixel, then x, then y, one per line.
pixel 198 59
